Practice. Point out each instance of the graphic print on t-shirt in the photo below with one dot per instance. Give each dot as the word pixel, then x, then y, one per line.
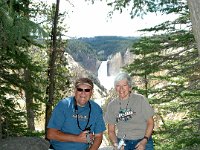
pixel 125 114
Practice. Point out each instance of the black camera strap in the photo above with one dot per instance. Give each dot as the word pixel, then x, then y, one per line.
pixel 77 120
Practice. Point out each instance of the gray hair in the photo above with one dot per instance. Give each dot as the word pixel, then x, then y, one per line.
pixel 123 76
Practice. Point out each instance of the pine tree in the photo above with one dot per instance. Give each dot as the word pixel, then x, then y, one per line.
pixel 166 70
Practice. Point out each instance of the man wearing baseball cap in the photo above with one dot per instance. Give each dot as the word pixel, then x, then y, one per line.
pixel 77 121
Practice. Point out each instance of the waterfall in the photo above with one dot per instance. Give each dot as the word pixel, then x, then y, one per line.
pixel 105 80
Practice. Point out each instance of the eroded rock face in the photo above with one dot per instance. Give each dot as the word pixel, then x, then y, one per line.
pixel 119 60
pixel 115 64
pixel 24 143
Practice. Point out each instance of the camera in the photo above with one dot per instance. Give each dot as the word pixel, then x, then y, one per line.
pixel 89 141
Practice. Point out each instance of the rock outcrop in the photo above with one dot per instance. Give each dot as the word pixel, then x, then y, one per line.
pixel 24 143
pixel 79 71
pixel 119 60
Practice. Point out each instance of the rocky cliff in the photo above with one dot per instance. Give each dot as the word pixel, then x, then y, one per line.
pixel 87 61
pixel 89 52
pixel 79 70
pixel 91 66
pixel 119 60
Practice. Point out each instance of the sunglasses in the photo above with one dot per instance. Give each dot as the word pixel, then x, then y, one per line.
pixel 83 90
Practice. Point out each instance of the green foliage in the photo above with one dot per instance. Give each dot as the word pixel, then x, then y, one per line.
pixel 17 34
pixel 78 48
pixel 166 70
pixel 142 7
pixel 62 74
pixel 177 135
pixel 11 117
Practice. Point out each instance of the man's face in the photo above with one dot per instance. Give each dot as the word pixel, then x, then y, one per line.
pixel 82 94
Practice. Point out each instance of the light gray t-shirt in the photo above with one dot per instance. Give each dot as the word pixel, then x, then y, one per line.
pixel 130 116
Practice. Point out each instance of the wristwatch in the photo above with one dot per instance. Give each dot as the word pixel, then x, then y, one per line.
pixel 145 137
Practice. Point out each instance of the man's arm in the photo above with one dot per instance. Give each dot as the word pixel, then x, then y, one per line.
pixel 54 134
pixel 97 141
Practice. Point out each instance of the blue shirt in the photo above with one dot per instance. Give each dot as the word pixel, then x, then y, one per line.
pixel 64 118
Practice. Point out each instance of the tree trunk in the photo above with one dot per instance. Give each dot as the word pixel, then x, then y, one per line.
pixel 52 67
pixel 29 101
pixel 1 133
pixel 194 7
pixel 28 92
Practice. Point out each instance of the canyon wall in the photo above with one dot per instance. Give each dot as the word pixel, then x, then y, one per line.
pixel 119 60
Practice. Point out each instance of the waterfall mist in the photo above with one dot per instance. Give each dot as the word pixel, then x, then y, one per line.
pixel 105 80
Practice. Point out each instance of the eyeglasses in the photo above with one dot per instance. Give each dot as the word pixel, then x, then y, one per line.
pixel 81 90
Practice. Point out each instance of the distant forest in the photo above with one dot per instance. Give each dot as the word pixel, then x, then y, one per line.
pixel 100 47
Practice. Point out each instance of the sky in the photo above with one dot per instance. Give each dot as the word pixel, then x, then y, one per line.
pixel 88 20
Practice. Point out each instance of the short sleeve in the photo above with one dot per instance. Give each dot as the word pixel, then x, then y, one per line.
pixel 109 115
pixel 55 121
pixel 147 110
pixel 100 124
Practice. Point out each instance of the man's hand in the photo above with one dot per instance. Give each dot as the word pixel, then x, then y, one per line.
pixel 83 137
